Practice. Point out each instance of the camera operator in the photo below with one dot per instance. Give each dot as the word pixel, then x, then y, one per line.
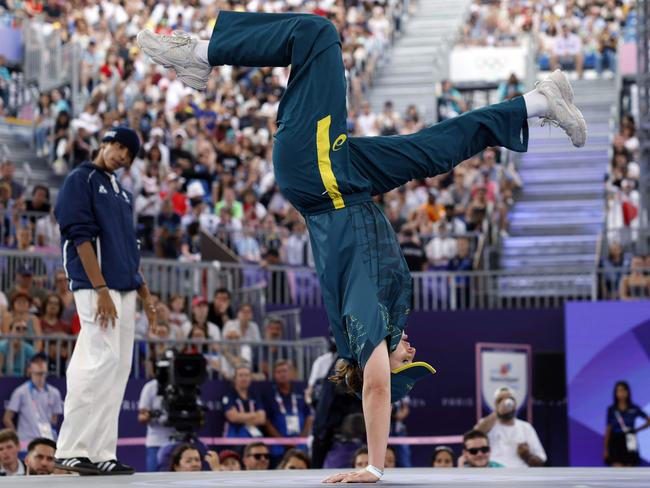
pixel 514 442
pixel 171 406
pixel 149 412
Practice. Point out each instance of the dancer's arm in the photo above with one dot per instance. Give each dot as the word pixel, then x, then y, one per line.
pixel 376 404
pixel 376 412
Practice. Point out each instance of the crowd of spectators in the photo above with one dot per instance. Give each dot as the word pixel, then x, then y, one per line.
pixel 284 411
pixel 572 34
pixel 206 159
pixel 624 273
pixel 38 315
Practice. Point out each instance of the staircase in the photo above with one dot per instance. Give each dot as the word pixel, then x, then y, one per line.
pixel 419 58
pixel 559 214
pixel 16 145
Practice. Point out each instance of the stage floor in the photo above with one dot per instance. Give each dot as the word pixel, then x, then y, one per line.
pixel 421 477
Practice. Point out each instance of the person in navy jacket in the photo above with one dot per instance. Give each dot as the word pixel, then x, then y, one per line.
pixel 101 259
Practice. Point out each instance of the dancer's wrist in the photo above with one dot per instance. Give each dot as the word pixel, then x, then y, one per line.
pixel 376 471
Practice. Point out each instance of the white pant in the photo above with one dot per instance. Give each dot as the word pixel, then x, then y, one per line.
pixel 96 379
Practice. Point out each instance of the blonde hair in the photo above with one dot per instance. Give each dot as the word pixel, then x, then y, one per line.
pixel 349 374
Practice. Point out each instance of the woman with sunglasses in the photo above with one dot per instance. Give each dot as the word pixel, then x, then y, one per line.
pixel 15 352
pixel 331 178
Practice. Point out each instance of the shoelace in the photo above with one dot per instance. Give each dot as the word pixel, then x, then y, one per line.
pixel 549 121
pixel 178 37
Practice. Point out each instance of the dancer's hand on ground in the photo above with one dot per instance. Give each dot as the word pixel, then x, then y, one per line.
pixel 361 476
pixel 106 311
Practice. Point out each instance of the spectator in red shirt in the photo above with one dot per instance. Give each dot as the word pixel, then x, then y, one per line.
pixel 51 312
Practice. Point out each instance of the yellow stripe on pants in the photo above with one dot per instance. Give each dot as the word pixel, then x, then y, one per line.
pixel 325 164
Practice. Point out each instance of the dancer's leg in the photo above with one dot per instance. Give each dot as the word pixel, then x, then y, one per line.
pixel 390 161
pixel 310 152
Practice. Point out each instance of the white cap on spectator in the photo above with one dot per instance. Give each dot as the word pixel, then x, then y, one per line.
pixel 195 190
pixel 181 133
pixel 157 132
pixel 87 122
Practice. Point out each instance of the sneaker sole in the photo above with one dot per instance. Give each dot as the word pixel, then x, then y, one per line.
pixel 165 64
pixel 116 473
pixel 568 95
pixel 563 84
pixel 81 471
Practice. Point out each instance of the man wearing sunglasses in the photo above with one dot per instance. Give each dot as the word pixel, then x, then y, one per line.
pixel 256 456
pixel 476 451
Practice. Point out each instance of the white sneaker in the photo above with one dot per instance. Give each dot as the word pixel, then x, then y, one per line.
pixel 562 112
pixel 176 52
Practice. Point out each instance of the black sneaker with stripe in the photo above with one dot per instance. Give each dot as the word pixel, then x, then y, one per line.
pixel 79 465
pixel 113 467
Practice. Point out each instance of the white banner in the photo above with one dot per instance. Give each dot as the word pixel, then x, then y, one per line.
pixel 487 63
pixel 501 365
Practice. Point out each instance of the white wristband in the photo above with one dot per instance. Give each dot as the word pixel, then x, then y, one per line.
pixel 376 471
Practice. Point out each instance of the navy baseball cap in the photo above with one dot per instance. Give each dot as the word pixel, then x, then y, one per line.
pixel 403 379
pixel 125 136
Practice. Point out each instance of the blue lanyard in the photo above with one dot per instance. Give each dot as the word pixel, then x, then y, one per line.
pixel 39 411
pixel 281 407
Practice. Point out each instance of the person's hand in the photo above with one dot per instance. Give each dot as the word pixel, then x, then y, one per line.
pixel 523 450
pixel 106 312
pixel 362 476
pixel 150 312
pixel 461 461
pixel 212 458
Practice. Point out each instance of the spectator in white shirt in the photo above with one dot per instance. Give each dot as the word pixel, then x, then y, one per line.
pixel 319 370
pixel 567 51
pixel 232 356
pixel 441 248
pixel 248 247
pixel 10 464
pixel 149 412
pixel 296 248
pixel 367 121
pixel 514 442
pixel 47 231
pixel 244 324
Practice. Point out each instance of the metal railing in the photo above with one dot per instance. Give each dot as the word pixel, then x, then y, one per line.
pixel 294 287
pixel 12 220
pixel 49 61
pixel 220 355
pixel 290 318
pixel 633 240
